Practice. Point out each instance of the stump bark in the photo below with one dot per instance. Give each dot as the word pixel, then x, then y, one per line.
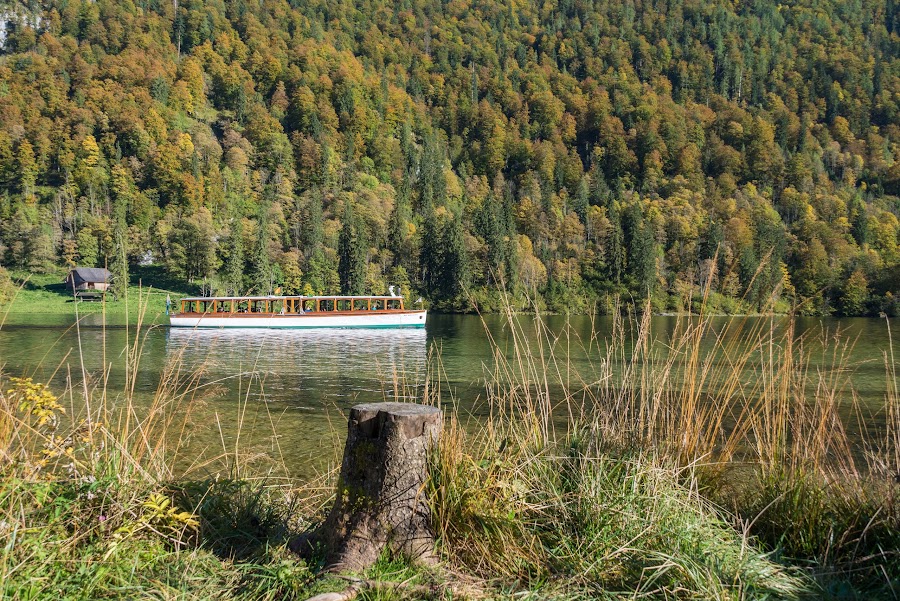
pixel 381 499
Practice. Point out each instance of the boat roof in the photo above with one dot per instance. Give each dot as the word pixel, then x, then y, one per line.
pixel 324 296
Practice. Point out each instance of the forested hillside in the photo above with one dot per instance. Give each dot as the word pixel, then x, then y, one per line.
pixel 570 149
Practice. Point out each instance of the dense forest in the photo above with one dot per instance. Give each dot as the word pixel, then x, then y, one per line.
pixel 569 151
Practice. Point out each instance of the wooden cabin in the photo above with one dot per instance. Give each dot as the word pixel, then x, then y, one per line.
pixel 88 280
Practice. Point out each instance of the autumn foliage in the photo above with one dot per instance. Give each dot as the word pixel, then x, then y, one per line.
pixel 575 149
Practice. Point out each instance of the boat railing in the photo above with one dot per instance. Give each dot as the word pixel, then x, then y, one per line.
pixel 298 305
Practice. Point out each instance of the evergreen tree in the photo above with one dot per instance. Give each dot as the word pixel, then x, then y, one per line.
pixel 313 234
pixel 641 245
pixel 352 249
pixel 261 274
pixel 433 183
pixel 118 263
pixel 317 277
pixel 233 269
pixel 454 267
pixel 508 226
pixel 859 220
pixel 122 197
pixel 615 246
pixel 431 256
pixel 398 229
pixel 493 228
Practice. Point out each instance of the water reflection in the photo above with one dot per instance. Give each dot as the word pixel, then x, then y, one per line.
pixel 287 391
pixel 304 368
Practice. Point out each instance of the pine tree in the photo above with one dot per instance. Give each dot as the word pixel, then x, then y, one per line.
pixel 431 255
pixel 641 245
pixel 433 183
pixel 261 276
pixel 455 265
pixel 352 250
pixel 398 229
pixel 118 263
pixel 492 227
pixel 234 259
pixel 122 198
pixel 615 246
pixel 313 233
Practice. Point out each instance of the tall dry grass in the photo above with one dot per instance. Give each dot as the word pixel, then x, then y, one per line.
pixel 749 423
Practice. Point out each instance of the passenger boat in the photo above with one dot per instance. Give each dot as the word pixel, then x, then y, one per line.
pixel 296 312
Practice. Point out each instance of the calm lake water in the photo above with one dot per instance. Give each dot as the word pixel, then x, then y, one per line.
pixel 282 394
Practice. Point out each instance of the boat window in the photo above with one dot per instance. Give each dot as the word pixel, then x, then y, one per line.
pixel 310 305
pixel 242 306
pixel 326 304
pixel 223 306
pixel 394 304
pixel 344 304
pixel 377 304
pixel 276 306
pixel 361 304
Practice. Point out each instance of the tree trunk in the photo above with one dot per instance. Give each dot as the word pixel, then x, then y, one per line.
pixel 381 492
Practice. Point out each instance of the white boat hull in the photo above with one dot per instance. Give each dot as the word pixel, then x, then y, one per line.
pixel 410 319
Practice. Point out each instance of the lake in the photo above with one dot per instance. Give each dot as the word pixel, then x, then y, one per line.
pixel 281 394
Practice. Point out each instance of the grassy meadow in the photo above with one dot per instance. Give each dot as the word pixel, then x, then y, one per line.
pixel 47 294
pixel 677 477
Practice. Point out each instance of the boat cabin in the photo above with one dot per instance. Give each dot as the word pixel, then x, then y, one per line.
pixel 290 305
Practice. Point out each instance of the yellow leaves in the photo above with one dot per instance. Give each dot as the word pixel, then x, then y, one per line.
pixel 42 445
pixel 809 213
pixel 36 400
pixel 91 151
pixel 180 97
pixel 735 130
pixel 161 516
pixel 185 145
pixel 454 186
pixel 156 126
pixel 160 512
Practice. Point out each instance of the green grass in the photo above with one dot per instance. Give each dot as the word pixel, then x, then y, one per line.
pixel 46 294
pixel 576 522
pixel 94 539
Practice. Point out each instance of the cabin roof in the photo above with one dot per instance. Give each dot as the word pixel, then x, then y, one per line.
pixel 94 275
pixel 324 296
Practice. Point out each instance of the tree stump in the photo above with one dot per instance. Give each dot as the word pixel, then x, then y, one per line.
pixel 381 492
